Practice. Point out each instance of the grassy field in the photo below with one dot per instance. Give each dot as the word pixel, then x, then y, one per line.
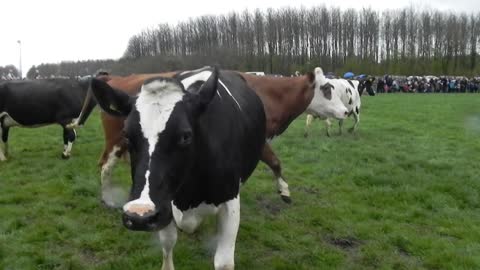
pixel 402 193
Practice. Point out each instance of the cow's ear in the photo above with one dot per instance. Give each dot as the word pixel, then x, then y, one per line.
pixel 112 101
pixel 207 91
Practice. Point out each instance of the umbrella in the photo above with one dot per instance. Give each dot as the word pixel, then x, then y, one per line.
pixel 361 76
pixel 348 75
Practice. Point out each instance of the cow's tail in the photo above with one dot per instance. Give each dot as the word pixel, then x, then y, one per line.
pixel 86 110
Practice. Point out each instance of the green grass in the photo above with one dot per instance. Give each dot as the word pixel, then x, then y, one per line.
pixel 402 193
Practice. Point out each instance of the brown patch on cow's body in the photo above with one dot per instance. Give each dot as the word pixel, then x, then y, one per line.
pixel 284 98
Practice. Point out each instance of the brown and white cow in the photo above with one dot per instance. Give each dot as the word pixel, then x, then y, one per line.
pixel 284 99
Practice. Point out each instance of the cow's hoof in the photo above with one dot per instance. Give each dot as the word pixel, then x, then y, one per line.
pixel 286 199
pixel 351 130
pixel 65 156
pixel 305 135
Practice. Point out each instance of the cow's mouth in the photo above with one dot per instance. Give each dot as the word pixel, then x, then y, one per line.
pixel 150 222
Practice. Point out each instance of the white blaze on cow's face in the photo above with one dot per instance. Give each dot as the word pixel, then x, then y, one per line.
pixel 326 101
pixel 160 133
pixel 155 105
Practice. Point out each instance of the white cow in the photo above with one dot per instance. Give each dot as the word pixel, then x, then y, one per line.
pixel 344 90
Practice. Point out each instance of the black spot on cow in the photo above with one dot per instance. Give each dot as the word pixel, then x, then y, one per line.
pixel 351 83
pixel 327 90
pixel 350 101
pixel 357 110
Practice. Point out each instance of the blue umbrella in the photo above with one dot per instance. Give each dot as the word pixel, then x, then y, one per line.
pixel 348 75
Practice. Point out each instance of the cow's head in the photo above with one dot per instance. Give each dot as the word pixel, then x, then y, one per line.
pixel 328 101
pixel 366 84
pixel 160 131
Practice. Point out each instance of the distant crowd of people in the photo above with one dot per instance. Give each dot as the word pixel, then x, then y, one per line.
pixel 384 84
pixel 427 84
pixel 418 84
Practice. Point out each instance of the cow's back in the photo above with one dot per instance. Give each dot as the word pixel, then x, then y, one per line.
pixel 37 102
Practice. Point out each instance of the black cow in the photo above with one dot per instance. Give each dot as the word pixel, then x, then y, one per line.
pixel 35 103
pixel 366 84
pixel 190 151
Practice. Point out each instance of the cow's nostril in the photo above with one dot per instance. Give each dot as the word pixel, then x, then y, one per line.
pixel 128 223
pixel 346 112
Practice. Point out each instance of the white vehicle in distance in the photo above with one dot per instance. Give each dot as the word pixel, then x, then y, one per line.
pixel 258 73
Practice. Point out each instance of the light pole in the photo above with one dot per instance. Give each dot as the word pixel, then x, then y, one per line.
pixel 20 61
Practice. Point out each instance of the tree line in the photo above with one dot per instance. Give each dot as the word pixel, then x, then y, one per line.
pixel 281 41
pixel 405 41
pixel 69 69
pixel 9 72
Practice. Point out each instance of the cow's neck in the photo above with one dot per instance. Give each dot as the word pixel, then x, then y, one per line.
pixel 199 183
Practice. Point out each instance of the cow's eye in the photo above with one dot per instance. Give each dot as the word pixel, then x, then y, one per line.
pixel 185 138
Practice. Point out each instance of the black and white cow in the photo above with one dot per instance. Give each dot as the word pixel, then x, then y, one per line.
pixel 348 92
pixel 35 103
pixel 191 147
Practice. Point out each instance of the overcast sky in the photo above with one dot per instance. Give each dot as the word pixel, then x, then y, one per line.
pixel 54 30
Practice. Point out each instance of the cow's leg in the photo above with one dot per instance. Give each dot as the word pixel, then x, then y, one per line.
pixel 356 116
pixel 69 136
pixel 3 142
pixel 340 126
pixel 328 124
pixel 228 221
pixel 307 125
pixel 168 238
pixel 274 163
pixel 108 164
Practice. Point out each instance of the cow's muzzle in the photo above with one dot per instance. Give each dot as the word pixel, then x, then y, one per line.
pixel 151 220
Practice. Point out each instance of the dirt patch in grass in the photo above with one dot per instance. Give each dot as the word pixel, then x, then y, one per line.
pixel 345 243
pixel 307 189
pixel 272 207
pixel 89 257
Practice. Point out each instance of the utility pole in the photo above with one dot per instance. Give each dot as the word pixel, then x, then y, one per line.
pixel 20 61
